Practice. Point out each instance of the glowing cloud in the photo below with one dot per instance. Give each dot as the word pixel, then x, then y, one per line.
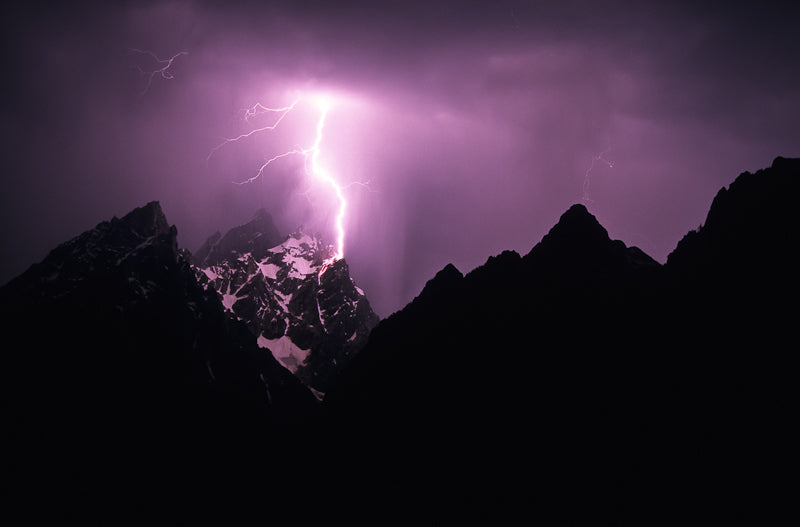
pixel 313 167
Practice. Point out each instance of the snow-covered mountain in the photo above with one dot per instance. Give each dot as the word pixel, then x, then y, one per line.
pixel 294 296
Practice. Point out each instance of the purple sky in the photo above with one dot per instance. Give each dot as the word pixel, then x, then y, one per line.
pixel 473 122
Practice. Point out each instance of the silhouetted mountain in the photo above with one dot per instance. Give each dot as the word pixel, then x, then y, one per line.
pixel 584 383
pixel 301 304
pixel 745 231
pixel 738 270
pixel 124 380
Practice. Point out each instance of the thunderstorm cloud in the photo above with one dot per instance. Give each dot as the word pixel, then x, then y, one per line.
pixel 475 124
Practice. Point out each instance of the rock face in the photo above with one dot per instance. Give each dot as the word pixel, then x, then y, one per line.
pixel 584 383
pixel 121 373
pixel 300 304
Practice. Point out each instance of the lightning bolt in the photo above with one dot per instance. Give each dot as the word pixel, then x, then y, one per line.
pixel 310 155
pixel 323 175
pixel 163 70
pixel 259 109
pixel 595 159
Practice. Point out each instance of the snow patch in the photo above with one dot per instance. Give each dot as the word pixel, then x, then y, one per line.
pixel 269 270
pixel 318 394
pixel 283 300
pixel 319 313
pixel 286 351
pixel 228 299
pixel 300 267
pixel 305 239
pixel 297 256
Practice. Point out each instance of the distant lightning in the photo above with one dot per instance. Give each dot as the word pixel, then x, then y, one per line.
pixel 310 156
pixel 595 159
pixel 163 69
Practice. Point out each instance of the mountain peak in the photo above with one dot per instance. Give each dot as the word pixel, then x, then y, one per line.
pixel 147 220
pixel 445 281
pixel 256 236
pixel 119 246
pixel 577 231
pixel 298 302
pixel 744 218
pixel 578 223
pixel 262 214
pixel 262 221
pixel 786 163
pixel 578 209
pixel 578 245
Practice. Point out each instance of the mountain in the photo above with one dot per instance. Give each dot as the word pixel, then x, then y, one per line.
pixel 581 383
pixel 301 304
pixel 584 383
pixel 124 380
pixel 255 238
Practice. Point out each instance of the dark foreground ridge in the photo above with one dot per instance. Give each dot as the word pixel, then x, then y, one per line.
pixel 580 384
pixel 584 383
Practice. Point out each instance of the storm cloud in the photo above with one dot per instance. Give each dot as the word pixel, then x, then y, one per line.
pixel 475 124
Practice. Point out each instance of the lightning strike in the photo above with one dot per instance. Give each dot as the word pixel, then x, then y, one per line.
pixel 595 159
pixel 312 165
pixel 164 70
pixel 322 174
pixel 256 110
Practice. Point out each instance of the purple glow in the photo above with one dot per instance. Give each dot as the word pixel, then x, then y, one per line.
pixel 310 155
pixel 476 124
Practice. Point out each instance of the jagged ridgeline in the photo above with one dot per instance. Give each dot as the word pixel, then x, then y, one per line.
pixel 121 372
pixel 299 303
pixel 582 383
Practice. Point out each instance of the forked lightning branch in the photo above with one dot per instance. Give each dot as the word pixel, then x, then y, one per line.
pixel 310 155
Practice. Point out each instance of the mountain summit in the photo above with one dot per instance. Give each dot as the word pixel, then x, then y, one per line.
pixel 578 244
pixel 300 304
pixel 254 237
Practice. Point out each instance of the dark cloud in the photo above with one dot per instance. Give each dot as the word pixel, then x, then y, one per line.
pixel 474 122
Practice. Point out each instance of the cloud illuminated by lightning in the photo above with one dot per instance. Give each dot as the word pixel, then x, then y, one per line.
pixel 310 155
pixel 163 69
